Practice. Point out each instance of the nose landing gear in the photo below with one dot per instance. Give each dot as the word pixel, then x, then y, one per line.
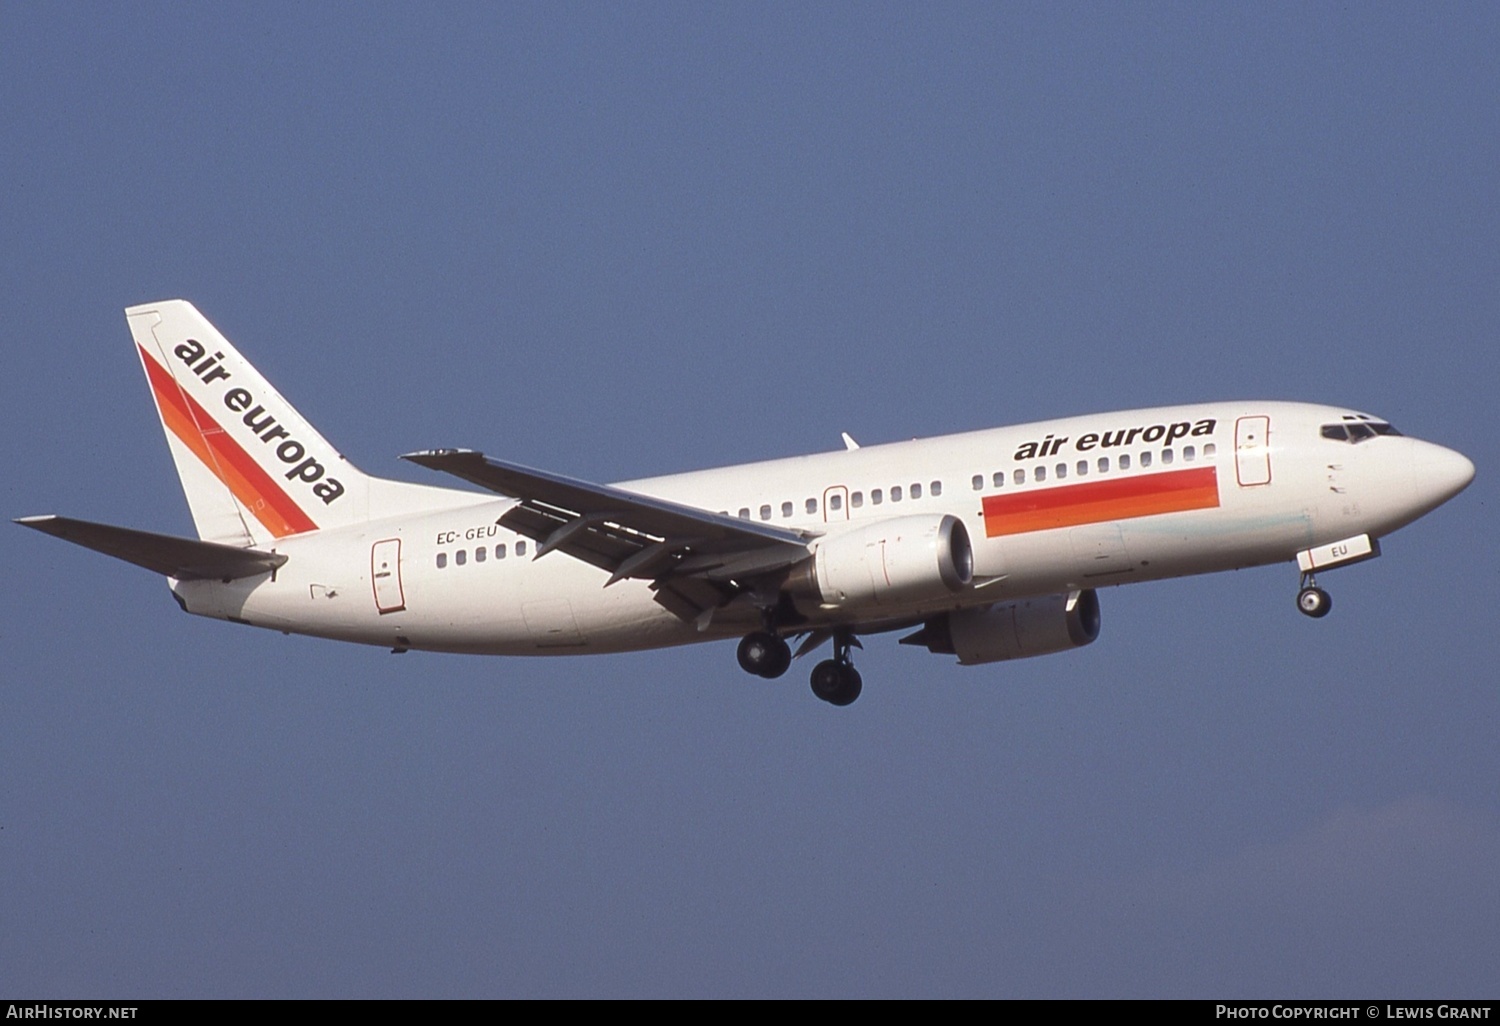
pixel 1312 600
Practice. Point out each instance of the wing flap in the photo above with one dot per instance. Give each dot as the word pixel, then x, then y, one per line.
pixel 183 558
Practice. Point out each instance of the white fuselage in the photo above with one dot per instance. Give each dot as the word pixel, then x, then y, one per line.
pixel 1051 507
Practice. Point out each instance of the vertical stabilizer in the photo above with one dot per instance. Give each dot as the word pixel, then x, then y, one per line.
pixel 253 468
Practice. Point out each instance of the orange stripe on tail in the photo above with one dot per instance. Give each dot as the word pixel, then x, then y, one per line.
pixel 186 418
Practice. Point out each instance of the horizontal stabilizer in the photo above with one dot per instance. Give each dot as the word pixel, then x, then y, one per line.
pixel 183 558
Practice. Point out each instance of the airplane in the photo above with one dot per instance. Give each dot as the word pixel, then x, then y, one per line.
pixel 988 545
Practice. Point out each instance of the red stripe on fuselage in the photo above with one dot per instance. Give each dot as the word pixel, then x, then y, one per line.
pixel 1121 498
pixel 186 418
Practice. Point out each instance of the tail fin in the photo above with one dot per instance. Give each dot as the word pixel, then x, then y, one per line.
pixel 253 468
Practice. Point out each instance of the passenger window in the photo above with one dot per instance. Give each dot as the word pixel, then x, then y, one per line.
pixel 1083 467
pixel 461 557
pixel 999 479
pixel 875 496
pixel 1166 456
pixel 896 494
pixel 499 551
pixel 1209 450
pixel 442 560
pixel 978 482
pixel 1062 471
pixel 916 491
pixel 786 509
pixel 1189 453
pixel 1104 464
pixel 857 499
pixel 936 488
pixel 1125 461
pixel 1145 459
pixel 520 548
pixel 480 554
pixel 765 511
pixel 1040 474
pixel 744 513
pixel 1019 476
pixel 835 502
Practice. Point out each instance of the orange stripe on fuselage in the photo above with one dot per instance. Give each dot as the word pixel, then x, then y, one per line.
pixel 230 463
pixel 1121 498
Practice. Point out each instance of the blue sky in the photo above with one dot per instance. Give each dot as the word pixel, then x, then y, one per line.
pixel 625 240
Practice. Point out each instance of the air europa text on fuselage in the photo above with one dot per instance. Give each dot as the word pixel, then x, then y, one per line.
pixel 1152 434
pixel 261 424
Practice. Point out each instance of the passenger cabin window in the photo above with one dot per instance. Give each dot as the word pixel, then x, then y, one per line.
pixel 1104 464
pixel 1166 456
pixel 916 491
pixel 1125 461
pixel 744 513
pixel 835 502
pixel 461 557
pixel 812 505
pixel 786 509
pixel 1189 453
pixel 1145 459
pixel 1020 476
pixel 480 553
pixel 442 560
pixel 979 482
pixel 1062 471
pixel 1083 467
pixel 765 511
pixel 857 499
pixel 1041 473
pixel 936 488
pixel 520 548
pixel 876 496
pixel 896 494
pixel 999 479
pixel 1209 449
pixel 499 551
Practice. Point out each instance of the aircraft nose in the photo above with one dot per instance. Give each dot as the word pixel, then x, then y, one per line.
pixel 1438 474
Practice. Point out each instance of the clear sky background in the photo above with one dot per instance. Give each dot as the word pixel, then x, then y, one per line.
pixel 621 240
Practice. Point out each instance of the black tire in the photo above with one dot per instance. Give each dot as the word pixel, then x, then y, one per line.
pixel 1314 602
pixel 764 654
pixel 826 679
pixel 836 683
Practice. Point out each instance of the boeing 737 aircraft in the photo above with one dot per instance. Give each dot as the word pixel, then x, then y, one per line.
pixel 988 545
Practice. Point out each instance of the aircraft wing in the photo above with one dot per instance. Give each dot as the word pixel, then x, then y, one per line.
pixel 691 555
pixel 183 558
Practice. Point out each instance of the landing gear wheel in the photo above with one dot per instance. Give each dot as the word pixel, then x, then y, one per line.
pixel 764 654
pixel 836 683
pixel 1314 602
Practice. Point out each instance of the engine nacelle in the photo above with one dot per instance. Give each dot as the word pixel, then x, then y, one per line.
pixel 889 563
pixel 1013 630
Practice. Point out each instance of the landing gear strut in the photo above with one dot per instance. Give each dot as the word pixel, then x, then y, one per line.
pixel 764 654
pixel 835 680
pixel 1312 600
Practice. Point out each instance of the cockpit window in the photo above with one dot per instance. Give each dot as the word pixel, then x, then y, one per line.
pixel 1356 429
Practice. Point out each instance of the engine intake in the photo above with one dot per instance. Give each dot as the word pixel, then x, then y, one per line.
pixel 1013 630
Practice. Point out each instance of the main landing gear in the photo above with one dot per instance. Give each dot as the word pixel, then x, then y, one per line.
pixel 1312 600
pixel 766 654
pixel 835 680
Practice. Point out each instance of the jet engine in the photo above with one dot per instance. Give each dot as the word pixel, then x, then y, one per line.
pixel 1013 630
pixel 892 562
